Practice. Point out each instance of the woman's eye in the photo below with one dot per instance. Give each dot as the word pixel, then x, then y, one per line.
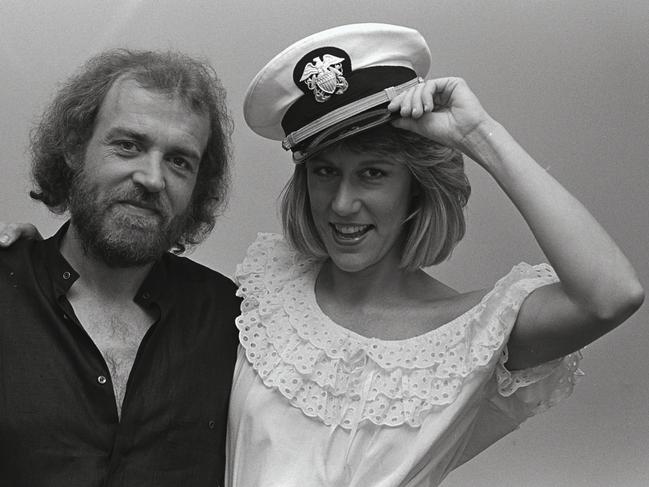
pixel 324 171
pixel 373 173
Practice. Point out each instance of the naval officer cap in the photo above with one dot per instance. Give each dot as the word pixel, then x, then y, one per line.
pixel 334 84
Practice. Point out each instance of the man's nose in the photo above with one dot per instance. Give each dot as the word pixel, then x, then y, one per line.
pixel 149 173
pixel 346 200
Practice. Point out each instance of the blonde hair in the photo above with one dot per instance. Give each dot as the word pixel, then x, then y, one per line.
pixel 441 190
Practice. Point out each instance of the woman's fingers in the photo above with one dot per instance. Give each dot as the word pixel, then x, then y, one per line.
pixel 427 97
pixel 416 102
pixel 420 99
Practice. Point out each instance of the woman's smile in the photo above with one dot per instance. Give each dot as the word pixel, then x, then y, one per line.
pixel 359 203
pixel 347 233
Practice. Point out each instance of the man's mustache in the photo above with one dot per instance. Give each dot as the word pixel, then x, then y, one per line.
pixel 140 197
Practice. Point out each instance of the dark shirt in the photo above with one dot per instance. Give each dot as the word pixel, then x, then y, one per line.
pixel 58 418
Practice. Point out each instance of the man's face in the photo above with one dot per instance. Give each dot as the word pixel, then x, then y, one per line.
pixel 130 201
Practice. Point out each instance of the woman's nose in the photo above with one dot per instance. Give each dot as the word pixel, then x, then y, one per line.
pixel 346 200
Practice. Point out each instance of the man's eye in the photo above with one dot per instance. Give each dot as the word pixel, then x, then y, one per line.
pixel 180 163
pixel 127 146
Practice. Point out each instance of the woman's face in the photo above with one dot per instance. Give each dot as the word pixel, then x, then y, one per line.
pixel 359 203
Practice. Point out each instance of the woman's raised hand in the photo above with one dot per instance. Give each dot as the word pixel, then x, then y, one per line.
pixel 443 109
pixel 599 288
pixel 10 232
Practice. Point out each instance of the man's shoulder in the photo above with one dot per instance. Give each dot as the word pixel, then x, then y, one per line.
pixel 193 273
pixel 19 251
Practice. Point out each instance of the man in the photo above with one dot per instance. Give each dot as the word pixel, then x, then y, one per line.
pixel 116 356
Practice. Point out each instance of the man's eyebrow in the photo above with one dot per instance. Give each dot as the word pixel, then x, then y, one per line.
pixel 181 150
pixel 126 132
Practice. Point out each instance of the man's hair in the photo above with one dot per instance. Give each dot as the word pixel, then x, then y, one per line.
pixel 69 122
pixel 439 194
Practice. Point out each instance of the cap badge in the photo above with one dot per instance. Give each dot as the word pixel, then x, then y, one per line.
pixel 324 77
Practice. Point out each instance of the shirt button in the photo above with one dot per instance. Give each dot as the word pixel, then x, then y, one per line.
pixel 101 379
pixel 66 275
pixel 146 295
pixel 211 424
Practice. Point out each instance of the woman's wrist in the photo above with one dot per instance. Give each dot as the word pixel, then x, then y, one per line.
pixel 488 144
pixel 480 136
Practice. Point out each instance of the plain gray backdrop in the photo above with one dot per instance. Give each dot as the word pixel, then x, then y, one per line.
pixel 569 79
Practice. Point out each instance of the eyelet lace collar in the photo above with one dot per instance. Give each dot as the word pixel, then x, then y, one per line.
pixel 343 378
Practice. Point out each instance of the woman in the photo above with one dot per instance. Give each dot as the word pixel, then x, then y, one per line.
pixel 356 367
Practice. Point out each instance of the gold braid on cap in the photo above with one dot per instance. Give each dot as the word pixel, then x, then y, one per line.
pixel 347 111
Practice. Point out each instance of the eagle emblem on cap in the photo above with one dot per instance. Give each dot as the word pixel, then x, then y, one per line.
pixel 324 77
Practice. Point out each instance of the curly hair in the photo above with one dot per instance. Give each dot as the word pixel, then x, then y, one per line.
pixel 436 221
pixel 69 122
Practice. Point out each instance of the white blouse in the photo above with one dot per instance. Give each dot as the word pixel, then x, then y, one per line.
pixel 315 404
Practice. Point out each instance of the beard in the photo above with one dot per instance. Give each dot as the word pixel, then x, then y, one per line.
pixel 109 232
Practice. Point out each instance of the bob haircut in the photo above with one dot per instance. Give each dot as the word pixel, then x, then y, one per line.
pixel 440 192
pixel 69 122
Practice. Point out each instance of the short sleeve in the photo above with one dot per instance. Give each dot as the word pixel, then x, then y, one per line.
pixel 512 397
pixel 531 391
pixel 524 393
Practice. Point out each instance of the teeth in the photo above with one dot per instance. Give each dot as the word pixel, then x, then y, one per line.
pixel 350 229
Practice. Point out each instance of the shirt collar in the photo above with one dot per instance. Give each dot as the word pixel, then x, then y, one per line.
pixel 58 270
pixel 154 289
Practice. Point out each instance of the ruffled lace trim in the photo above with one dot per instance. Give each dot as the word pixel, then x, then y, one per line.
pixel 344 378
pixel 539 387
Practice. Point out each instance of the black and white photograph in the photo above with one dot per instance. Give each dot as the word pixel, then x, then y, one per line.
pixel 324 244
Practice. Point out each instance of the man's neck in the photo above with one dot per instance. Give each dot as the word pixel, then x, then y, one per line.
pixel 114 283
